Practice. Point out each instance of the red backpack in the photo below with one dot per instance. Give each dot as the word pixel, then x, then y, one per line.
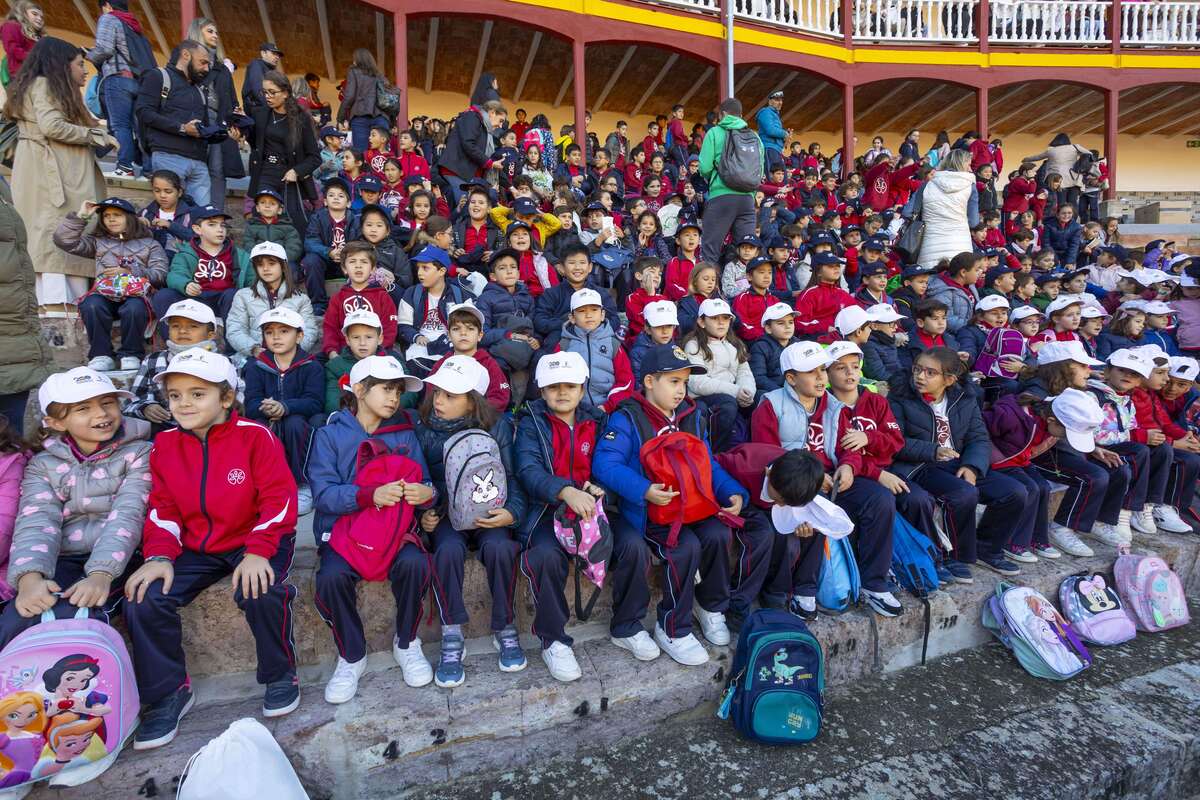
pixel 681 461
pixel 747 464
pixel 370 538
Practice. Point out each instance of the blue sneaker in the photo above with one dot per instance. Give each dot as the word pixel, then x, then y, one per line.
pixel 450 671
pixel 161 720
pixel 508 645
pixel 282 697
pixel 945 576
pixel 998 563
pixel 960 571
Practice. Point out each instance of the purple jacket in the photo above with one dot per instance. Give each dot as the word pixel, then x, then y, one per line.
pixel 12 468
pixel 1011 427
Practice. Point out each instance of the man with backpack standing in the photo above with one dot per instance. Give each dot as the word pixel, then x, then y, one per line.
pixel 122 54
pixel 733 174
pixel 171 110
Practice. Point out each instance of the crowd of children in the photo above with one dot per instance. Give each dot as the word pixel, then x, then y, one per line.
pixel 551 337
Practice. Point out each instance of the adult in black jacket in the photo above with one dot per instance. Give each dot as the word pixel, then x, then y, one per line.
pixel 283 149
pixel 470 146
pixel 171 124
pixel 220 97
pixel 268 59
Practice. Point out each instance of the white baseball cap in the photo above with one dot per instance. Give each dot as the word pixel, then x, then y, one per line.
pixel 1094 312
pixel 284 316
pixel 1061 302
pixel 561 367
pixel 776 311
pixel 803 357
pixel 1186 368
pixel 715 307
pixel 1188 282
pixel 474 310
pixel 1053 352
pixel 1154 354
pixel 75 386
pixel 363 317
pixel 1157 276
pixel 203 364
pixel 992 302
pixel 823 515
pixel 1080 414
pixel 273 249
pixel 661 312
pixel 1137 304
pixel 1157 307
pixel 585 297
pixel 884 312
pixel 385 368
pixel 1023 312
pixel 1134 362
pixel 193 310
pixel 842 348
pixel 461 374
pixel 850 319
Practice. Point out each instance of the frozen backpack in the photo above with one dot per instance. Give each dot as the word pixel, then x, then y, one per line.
pixel 69 701
pixel 1000 344
pixel 590 544
pixel 775 694
pixel 1094 610
pixel 1029 625
pixel 1152 593
pixel 476 482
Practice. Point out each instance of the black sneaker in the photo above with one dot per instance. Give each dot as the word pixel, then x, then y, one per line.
pixel 998 563
pixel 282 697
pixel 734 619
pixel 160 723
pixel 799 606
pixel 884 604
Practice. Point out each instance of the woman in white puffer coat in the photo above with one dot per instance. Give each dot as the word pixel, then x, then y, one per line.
pixel 949 204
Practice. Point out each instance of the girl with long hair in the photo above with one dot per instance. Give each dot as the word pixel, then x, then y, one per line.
pixel 21 30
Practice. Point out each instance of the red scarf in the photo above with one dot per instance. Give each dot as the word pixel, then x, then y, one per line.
pixel 128 19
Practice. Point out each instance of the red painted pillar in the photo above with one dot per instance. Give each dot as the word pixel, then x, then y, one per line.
pixel 1112 100
pixel 847 129
pixel 984 25
pixel 1114 25
pixel 400 43
pixel 187 13
pixel 848 23
pixel 981 111
pixel 580 95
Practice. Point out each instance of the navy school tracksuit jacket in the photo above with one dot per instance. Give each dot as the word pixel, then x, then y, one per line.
pixel 300 387
pixel 433 435
pixel 968 434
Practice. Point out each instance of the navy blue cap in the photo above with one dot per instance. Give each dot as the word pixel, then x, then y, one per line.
pixel 414 180
pixel 337 180
pixel 207 212
pixel 1067 275
pixel 995 273
pixel 778 241
pixel 874 244
pixel 432 254
pixel 822 237
pixel 330 130
pixel 119 203
pixel 504 252
pixel 668 358
pixel 516 224
pixel 829 216
pixel 692 158
pixel 803 211
pixel 1116 250
pixel 756 262
pixel 595 206
pixel 265 192
pixel 369 183
pixel 375 207
pixel 749 239
pixel 866 270
pixel 847 229
pixel 525 206
pixel 822 259
pixel 1157 244
pixel 475 183
pixel 689 223
pixel 989 252
pixel 915 271
pixel 1052 275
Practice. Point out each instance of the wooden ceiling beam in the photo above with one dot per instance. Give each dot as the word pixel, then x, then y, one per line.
pixel 533 49
pixel 615 76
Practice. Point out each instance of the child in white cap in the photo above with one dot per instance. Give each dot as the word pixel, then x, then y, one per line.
pixel 591 334
pixel 727 385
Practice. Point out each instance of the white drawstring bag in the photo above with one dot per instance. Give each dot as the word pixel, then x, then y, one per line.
pixel 243 763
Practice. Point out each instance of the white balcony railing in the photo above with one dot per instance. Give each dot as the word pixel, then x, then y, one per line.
pixel 822 17
pixel 1159 24
pixel 1057 22
pixel 915 21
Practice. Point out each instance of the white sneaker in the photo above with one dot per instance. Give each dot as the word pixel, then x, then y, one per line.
pixel 1168 519
pixel 1068 540
pixel 640 644
pixel 130 363
pixel 687 650
pixel 560 660
pixel 1143 521
pixel 304 499
pixel 102 364
pixel 1124 518
pixel 343 684
pixel 414 666
pixel 712 625
pixel 1109 534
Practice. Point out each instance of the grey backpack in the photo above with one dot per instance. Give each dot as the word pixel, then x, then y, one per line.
pixel 741 164
pixel 476 481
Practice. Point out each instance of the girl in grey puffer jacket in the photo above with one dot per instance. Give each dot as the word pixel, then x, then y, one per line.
pixel 133 249
pixel 79 520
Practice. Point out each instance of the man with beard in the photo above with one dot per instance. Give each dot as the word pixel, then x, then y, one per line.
pixel 170 110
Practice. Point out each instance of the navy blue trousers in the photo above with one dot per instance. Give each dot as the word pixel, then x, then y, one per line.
pixel 98 314
pixel 701 548
pixel 1003 496
pixel 1034 523
pixel 498 552
pixel 1181 486
pixel 1151 468
pixel 1095 493
pixel 753 549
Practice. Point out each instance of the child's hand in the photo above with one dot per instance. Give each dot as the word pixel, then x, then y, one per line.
pixel 901 338
pixel 967 474
pixel 148 573
pixel 803 531
pixel 1155 437
pixel 389 494
pixel 593 489
pixel 745 397
pixel 86 209
pixel 1013 364
pixel 735 505
pixel 156 413
pixel 660 495
pixel 844 476
pixel 579 501
pixel 430 520
pixel 854 440
pixel 416 494
pixel 192 289
pixel 254 574
pixel 421 340
pixel 91 591
pixel 35 594
pixel 892 482
pixel 965 356
pixel 945 454
pixel 496 518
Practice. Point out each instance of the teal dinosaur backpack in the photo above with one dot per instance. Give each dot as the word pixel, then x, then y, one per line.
pixel 776 690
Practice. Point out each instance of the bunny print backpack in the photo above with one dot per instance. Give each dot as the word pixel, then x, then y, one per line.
pixel 1092 607
pixel 476 482
pixel 68 702
pixel 1152 593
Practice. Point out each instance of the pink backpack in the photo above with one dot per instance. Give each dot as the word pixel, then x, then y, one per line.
pixel 1001 343
pixel 590 542
pixel 68 702
pixel 1152 593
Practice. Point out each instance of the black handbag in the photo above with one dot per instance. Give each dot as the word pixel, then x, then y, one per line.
pixel 910 238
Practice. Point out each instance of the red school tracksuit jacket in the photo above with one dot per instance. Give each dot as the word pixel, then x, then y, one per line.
pixel 347 300
pixel 231 490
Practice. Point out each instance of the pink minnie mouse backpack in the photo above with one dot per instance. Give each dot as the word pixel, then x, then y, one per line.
pixel 68 702
pixel 1094 610
pixel 590 542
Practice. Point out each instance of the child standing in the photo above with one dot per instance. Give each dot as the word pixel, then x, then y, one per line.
pixel 129 265
pixel 726 383
pixel 329 229
pixel 222 501
pixel 285 391
pixel 377 384
pixel 454 402
pixel 209 269
pixel 507 308
pixel 82 503
pixel 358 264
pixel 272 288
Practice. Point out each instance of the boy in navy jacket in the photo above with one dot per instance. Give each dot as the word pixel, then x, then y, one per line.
pixel 664 406
pixel 507 308
pixel 553 308
pixel 425 336
pixel 779 330
pixel 328 231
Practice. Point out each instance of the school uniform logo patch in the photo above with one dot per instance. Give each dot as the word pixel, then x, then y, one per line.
pixel 236 477
pixel 356 302
pixel 210 268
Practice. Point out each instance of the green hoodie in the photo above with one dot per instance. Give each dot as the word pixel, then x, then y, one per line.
pixel 710 154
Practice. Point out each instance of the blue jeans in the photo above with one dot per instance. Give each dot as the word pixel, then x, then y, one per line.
pixel 193 172
pixel 360 127
pixel 119 94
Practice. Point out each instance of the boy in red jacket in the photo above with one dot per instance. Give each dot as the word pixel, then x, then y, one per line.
pixel 358 262
pixel 648 272
pixel 222 501
pixel 748 307
pixel 464 325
